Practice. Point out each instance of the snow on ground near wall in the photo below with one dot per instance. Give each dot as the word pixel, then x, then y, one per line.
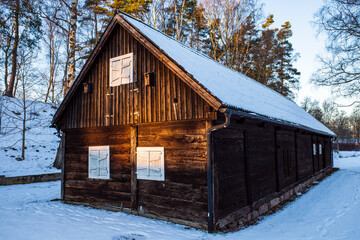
pixel 41 140
pixel 330 210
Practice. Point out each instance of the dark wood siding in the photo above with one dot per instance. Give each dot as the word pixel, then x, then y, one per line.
pixel 183 194
pixel 285 154
pixel 304 155
pixel 78 187
pixel 230 165
pixel 261 160
pixel 134 102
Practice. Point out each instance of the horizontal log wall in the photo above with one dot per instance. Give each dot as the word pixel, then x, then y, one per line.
pixel 254 160
pixel 77 186
pixel 134 102
pixel 183 194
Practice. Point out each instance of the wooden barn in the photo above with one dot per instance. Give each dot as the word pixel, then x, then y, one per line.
pixel 154 128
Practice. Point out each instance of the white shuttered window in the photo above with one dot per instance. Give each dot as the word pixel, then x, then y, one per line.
pixel 150 163
pixel 121 70
pixel 99 162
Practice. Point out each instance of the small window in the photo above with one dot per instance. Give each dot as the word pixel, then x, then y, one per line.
pixel 320 149
pixel 314 148
pixel 150 163
pixel 121 70
pixel 99 162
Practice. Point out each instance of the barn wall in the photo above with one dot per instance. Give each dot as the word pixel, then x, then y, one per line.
pixel 131 103
pixel 77 186
pixel 255 160
pixel 182 195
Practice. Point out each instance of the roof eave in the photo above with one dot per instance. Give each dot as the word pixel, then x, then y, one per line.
pixel 277 121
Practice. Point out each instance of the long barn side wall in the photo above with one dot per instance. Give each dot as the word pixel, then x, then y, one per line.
pixel 256 160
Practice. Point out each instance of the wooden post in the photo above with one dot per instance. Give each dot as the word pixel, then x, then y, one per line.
pixel 133 146
pixel 296 157
pixel 63 144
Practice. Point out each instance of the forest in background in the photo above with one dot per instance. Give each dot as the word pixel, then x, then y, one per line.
pixel 44 44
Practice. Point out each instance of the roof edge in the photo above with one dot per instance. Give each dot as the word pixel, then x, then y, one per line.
pixel 279 121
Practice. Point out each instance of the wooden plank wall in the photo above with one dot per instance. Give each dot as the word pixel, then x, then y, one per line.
pixel 254 159
pixel 286 161
pixel 261 160
pixel 131 103
pixel 183 194
pixel 230 165
pixel 78 187
pixel 304 155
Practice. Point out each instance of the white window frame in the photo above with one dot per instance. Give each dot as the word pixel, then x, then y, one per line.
pixel 131 76
pixel 146 175
pixel 314 149
pixel 99 149
pixel 320 149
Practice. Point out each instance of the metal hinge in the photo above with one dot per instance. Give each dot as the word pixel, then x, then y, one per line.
pixel 134 90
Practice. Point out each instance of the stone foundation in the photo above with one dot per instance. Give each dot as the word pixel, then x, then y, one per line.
pixel 29 179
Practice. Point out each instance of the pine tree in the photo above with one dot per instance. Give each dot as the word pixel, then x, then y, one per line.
pixel 287 75
pixel 133 7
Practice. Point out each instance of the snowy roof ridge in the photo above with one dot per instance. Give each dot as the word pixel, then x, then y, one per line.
pixel 196 52
pixel 173 39
pixel 231 87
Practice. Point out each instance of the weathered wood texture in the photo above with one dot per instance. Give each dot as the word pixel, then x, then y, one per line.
pixel 304 155
pixel 286 162
pixel 261 160
pixel 78 187
pixel 254 159
pixel 230 171
pixel 183 194
pixel 131 103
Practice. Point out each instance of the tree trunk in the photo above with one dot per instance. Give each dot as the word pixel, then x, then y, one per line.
pixel 24 125
pixel 72 43
pixel 10 88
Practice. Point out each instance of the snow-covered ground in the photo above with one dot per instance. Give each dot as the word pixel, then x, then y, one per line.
pixel 330 210
pixel 41 140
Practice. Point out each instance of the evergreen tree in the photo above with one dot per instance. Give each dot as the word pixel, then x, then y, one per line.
pixel 287 75
pixel 133 7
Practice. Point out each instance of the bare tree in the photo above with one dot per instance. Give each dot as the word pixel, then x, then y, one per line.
pixel 340 20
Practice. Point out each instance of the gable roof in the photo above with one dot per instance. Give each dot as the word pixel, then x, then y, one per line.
pixel 216 83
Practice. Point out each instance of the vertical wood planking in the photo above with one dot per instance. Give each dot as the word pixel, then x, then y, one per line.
pixel 147 104
pixel 133 146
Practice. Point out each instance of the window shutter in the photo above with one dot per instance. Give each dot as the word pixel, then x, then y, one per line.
pixel 143 164
pixel 314 148
pixel 99 162
pixel 155 164
pixel 150 163
pixel 121 70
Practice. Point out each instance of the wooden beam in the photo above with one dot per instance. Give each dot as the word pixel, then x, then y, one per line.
pixel 63 142
pixel 133 146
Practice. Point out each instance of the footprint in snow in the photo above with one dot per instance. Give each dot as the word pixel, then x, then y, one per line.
pixel 131 236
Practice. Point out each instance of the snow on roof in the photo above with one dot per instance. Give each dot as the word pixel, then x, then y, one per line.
pixel 232 88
